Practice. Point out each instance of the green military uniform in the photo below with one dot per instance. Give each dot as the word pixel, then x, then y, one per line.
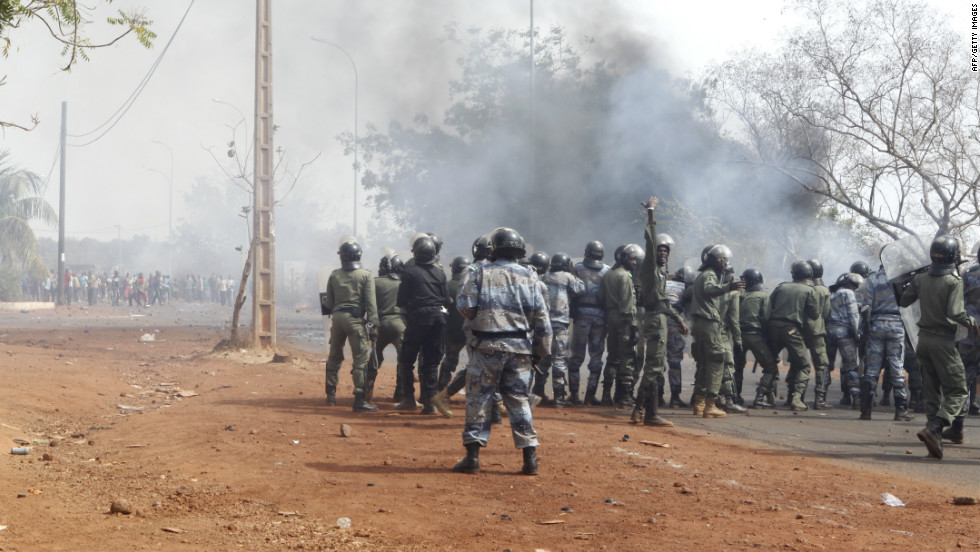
pixel 707 328
pixel 731 336
pixel 391 329
pixel 752 306
pixel 814 335
pixel 351 299
pixel 653 285
pixel 617 295
pixel 943 376
pixel 790 304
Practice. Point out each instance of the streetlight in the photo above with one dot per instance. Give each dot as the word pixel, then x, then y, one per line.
pixel 337 46
pixel 170 223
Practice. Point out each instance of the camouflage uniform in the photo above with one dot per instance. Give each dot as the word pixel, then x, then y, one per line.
pixel 507 308
pixel 789 305
pixel 351 299
pixel 619 298
pixel 391 331
pixel 675 339
pixel 843 335
pixel 886 339
pixel 751 310
pixel 814 335
pixel 588 328
pixel 562 287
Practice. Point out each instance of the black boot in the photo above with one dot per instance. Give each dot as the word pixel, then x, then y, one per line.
pixel 675 397
pixel 625 392
pixel 762 400
pixel 660 395
pixel 955 432
pixel 820 401
pixel 560 400
pixel 331 395
pixel 845 400
pixel 650 415
pixel 901 410
pixel 932 437
pixel 538 388
pixel 407 379
pixel 530 461
pixel 590 399
pixel 573 394
pixel 731 406
pixel 607 399
pixel 471 462
pixel 361 405
pixel 916 402
pixel 866 400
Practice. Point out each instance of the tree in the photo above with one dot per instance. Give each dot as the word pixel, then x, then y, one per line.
pixel 238 170
pixel 67 21
pixel 870 106
pixel 20 203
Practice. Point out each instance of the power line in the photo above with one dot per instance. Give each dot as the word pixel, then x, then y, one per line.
pixel 124 108
pixel 47 179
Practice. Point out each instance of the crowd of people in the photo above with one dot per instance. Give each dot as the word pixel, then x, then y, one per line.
pixel 522 321
pixel 128 289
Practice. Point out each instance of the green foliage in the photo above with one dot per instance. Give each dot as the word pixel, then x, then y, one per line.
pixel 20 203
pixel 10 284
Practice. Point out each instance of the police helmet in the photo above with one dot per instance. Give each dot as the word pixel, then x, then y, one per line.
pixel 618 253
pixel 664 240
pixel 459 264
pixel 753 279
pixel 816 267
pixel 349 251
pixel 508 243
pixel 540 262
pixel 424 251
pixel 396 265
pixel 714 256
pixel 594 252
pixel 416 237
pixel 849 280
pixel 801 270
pixel 561 262
pixel 632 254
pixel 861 268
pixel 436 240
pixel 945 254
pixel 481 248
pixel 685 274
pixel 384 267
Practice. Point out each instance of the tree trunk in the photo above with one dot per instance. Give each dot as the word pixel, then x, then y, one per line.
pixel 240 299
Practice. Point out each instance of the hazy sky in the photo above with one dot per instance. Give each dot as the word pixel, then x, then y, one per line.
pixel 402 68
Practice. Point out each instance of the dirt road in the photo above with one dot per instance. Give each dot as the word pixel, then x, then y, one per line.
pixel 228 452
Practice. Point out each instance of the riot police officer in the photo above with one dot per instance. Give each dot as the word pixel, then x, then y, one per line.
pixel 588 325
pixel 940 295
pixel 509 320
pixel 424 296
pixel 790 305
pixel 391 331
pixel 814 335
pixel 350 301
pixel 619 299
pixel 562 287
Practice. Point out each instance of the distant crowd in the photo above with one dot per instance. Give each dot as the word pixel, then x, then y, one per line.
pixel 129 289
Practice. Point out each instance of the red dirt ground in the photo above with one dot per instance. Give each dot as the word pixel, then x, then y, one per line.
pixel 255 461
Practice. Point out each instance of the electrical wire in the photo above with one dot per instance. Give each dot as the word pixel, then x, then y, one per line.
pixel 44 187
pixel 126 105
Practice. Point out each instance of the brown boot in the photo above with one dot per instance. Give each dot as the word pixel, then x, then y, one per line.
pixel 441 401
pixel 711 410
pixel 699 404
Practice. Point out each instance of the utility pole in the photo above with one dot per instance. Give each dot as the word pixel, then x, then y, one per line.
pixel 264 267
pixel 532 231
pixel 60 278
